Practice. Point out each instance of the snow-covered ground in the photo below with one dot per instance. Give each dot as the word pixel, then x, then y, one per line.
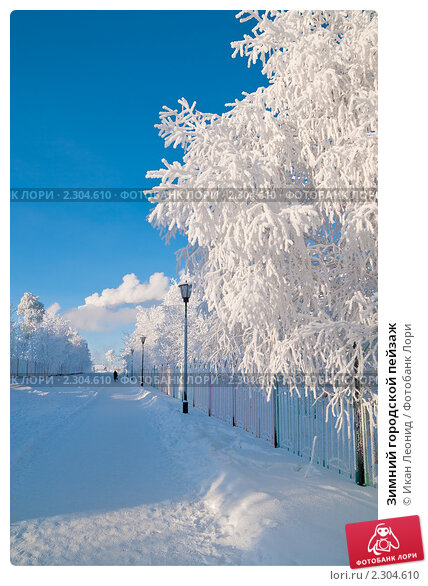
pixel 120 476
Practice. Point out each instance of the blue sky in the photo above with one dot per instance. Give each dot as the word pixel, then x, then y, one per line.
pixel 86 89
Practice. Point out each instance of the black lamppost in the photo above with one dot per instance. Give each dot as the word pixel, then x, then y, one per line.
pixel 186 291
pixel 132 362
pixel 143 339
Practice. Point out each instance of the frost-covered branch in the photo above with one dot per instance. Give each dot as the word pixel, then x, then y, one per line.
pixel 292 285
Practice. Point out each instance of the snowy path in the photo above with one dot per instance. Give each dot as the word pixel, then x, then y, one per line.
pixel 125 478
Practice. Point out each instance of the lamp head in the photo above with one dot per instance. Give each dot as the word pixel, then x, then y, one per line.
pixel 186 291
pixel 143 339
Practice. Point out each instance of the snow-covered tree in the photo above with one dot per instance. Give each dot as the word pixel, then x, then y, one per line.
pixel 111 359
pixel 47 339
pixel 162 325
pixel 293 284
pixel 31 309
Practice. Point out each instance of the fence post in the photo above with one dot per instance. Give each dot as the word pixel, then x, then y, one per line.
pixel 209 398
pixel 193 383
pixel 365 446
pixel 360 472
pixel 234 402
pixel 359 429
pixel 275 414
pixel 373 453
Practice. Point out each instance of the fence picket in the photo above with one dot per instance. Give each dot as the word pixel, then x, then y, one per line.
pixel 285 419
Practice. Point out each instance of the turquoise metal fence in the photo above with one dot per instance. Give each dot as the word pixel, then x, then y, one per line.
pixel 23 367
pixel 307 428
pixel 303 425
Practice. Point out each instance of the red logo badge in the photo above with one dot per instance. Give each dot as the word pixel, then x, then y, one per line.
pixel 387 541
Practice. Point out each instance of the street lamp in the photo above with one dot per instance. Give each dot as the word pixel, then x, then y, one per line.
pixel 132 362
pixel 186 290
pixel 143 339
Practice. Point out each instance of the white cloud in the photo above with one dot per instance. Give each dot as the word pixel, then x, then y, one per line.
pixel 101 312
pixel 52 309
pixel 100 319
pixel 130 291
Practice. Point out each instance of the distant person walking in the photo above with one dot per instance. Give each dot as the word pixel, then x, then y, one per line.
pixel 115 375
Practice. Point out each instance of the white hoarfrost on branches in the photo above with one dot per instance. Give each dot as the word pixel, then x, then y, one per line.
pixel 293 285
pixel 111 359
pixel 163 327
pixel 31 309
pixel 47 339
